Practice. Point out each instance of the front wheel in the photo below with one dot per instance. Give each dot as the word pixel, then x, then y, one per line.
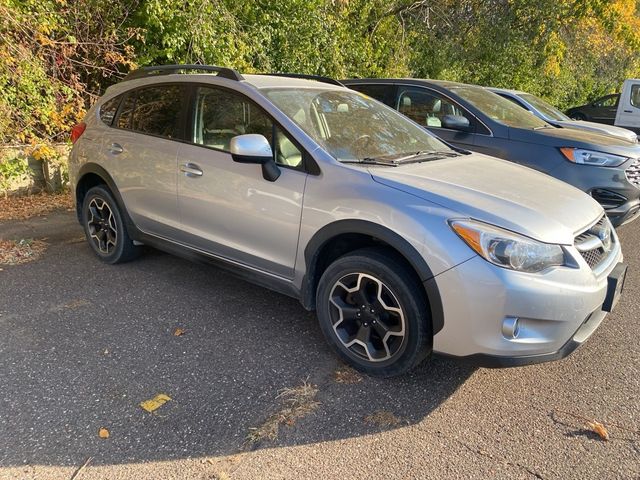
pixel 105 229
pixel 373 311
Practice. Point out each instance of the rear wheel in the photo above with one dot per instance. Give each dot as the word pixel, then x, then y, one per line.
pixel 373 311
pixel 104 227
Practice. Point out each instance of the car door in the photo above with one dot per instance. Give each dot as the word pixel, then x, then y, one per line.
pixel 604 109
pixel 141 155
pixel 427 108
pixel 228 208
pixel 629 110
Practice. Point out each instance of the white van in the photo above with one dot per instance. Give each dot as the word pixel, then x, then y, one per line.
pixel 628 113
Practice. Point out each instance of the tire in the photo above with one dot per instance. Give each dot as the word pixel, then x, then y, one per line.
pixel 104 227
pixel 349 311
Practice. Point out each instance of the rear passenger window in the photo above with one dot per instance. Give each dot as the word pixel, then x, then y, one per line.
pixel 108 110
pixel 157 110
pixel 221 115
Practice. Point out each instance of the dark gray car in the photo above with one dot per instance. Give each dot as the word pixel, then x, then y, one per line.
pixel 601 110
pixel 473 118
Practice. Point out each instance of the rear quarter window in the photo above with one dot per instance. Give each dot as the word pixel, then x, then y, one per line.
pixel 109 109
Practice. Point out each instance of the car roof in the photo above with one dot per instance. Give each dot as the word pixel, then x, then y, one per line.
pixel 506 90
pixel 276 81
pixel 417 81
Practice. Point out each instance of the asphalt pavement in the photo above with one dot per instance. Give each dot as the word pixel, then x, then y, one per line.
pixel 83 344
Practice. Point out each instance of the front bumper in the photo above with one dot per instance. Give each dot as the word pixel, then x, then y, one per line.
pixel 557 310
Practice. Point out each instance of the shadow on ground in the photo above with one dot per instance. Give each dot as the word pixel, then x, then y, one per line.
pixel 84 343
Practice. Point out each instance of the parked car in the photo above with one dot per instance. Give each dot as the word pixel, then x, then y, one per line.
pixel 402 244
pixel 473 118
pixel 628 112
pixel 601 110
pixel 555 117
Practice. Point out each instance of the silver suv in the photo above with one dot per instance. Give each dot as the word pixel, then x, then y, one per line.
pixel 403 244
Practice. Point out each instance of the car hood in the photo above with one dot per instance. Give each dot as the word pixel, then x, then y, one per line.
pixel 498 192
pixel 598 128
pixel 573 137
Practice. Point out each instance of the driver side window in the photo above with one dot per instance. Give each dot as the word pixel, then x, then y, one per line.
pixel 221 115
pixel 426 108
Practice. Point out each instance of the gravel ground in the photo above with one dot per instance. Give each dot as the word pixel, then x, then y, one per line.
pixel 84 343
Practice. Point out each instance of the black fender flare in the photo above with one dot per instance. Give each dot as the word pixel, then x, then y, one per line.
pixel 94 168
pixel 393 239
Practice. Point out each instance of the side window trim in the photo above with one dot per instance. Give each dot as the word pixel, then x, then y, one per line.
pixel 308 164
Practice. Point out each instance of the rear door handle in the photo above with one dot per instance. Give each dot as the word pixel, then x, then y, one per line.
pixel 116 149
pixel 628 111
pixel 191 170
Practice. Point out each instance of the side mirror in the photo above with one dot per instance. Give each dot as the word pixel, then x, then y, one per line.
pixel 255 148
pixel 456 122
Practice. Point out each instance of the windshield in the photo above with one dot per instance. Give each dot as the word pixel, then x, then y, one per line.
pixel 549 112
pixel 497 108
pixel 352 126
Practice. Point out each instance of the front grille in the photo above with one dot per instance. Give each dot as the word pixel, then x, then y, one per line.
pixel 593 257
pixel 633 172
pixel 592 243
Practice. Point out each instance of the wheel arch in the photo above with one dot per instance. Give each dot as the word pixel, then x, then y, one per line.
pixel 91 175
pixel 341 237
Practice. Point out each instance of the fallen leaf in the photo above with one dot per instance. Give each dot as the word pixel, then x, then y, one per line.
pixel 178 332
pixel 103 433
pixel 600 429
pixel 155 403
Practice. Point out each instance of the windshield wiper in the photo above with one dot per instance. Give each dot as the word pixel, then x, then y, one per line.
pixel 424 155
pixel 373 161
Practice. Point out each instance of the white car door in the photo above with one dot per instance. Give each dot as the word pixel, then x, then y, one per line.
pixel 628 114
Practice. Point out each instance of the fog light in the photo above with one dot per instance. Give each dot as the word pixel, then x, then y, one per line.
pixel 511 327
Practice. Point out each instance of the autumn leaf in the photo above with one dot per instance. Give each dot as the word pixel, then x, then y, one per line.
pixel 155 403
pixel 103 433
pixel 600 429
pixel 178 332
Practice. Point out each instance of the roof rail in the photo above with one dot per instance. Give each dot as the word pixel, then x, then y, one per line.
pixel 143 72
pixel 318 78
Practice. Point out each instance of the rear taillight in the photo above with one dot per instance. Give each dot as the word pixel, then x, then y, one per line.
pixel 77 131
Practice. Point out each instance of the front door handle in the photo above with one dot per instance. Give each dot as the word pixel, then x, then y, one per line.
pixel 116 149
pixel 628 111
pixel 191 170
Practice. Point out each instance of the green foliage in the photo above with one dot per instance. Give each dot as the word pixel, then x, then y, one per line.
pixel 57 55
pixel 12 170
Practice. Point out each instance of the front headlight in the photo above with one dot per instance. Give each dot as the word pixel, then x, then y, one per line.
pixel 507 249
pixel 590 157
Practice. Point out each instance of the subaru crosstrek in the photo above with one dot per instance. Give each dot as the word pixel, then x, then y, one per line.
pixel 403 245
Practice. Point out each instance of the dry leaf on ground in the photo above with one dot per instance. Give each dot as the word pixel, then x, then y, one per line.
pixel 155 403
pixel 345 374
pixel 178 332
pixel 600 429
pixel 296 403
pixel 15 252
pixel 21 207
pixel 382 418
pixel 103 433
